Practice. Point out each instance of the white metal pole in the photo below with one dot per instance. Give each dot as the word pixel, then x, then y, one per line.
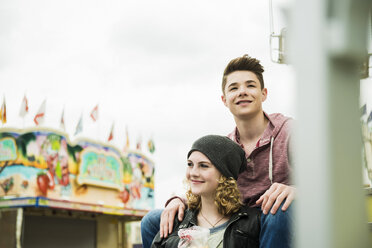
pixel 328 40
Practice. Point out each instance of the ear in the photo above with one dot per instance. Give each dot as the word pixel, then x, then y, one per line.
pixel 223 98
pixel 264 94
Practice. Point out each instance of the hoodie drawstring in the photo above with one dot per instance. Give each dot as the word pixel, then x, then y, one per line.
pixel 271 160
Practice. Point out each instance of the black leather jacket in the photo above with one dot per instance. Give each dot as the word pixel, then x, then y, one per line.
pixel 243 229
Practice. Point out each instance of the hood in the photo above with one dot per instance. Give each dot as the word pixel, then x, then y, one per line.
pixel 276 122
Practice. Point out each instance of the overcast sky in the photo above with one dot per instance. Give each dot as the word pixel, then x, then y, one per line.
pixel 154 66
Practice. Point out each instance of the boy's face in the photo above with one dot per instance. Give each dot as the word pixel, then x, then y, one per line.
pixel 243 94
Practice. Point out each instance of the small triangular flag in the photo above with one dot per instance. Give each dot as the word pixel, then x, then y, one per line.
pixel 79 127
pixel 3 111
pixel 94 113
pixel 62 122
pixel 363 110
pixel 40 115
pixel 369 117
pixel 24 107
pixel 111 135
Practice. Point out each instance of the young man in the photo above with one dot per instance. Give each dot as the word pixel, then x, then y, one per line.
pixel 265 139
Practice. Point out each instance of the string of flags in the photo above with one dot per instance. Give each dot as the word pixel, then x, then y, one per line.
pixel 39 119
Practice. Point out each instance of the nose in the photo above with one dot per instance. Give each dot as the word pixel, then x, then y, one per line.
pixel 242 90
pixel 194 171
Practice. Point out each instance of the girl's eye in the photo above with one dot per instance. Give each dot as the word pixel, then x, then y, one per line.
pixel 204 165
pixel 233 88
pixel 189 164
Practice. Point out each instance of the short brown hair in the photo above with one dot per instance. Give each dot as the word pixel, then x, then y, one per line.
pixel 227 197
pixel 244 63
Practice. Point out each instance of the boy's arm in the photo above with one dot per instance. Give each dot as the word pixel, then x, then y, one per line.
pixel 176 197
pixel 172 207
pixel 278 192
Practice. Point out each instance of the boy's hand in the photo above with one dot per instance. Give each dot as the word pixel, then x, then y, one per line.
pixel 274 196
pixel 167 216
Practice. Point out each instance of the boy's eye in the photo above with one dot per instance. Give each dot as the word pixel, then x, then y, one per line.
pixel 189 164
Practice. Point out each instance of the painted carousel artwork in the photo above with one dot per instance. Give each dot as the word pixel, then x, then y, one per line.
pixel 44 163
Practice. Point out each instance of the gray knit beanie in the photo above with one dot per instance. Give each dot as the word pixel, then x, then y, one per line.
pixel 227 156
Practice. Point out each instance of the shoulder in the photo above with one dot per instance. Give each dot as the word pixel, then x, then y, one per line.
pixel 278 119
pixel 280 124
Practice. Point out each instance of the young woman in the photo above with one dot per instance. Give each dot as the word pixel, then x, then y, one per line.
pixel 213 198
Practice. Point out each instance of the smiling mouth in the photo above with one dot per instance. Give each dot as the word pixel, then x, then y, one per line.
pixel 196 181
pixel 244 102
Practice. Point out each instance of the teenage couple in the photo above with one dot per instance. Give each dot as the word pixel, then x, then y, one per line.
pixel 239 190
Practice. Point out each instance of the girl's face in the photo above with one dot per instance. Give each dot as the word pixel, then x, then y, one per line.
pixel 202 175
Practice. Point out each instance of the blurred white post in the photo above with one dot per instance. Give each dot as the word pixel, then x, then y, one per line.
pixel 328 43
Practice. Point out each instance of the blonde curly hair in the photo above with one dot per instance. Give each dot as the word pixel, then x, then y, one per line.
pixel 227 198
